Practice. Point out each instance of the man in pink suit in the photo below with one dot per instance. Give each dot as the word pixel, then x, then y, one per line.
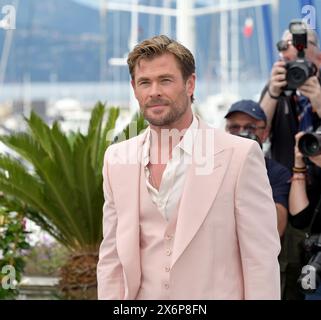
pixel 188 210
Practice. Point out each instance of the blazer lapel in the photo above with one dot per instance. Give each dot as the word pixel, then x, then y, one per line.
pixel 127 205
pixel 199 193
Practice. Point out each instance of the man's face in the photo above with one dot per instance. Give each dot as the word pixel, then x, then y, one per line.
pixel 163 95
pixel 239 122
pixel 291 53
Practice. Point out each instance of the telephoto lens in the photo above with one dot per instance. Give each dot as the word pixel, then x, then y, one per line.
pixel 310 144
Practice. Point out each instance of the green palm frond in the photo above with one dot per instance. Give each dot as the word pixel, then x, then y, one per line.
pixel 107 136
pixel 135 127
pixel 40 132
pixel 86 188
pixel 94 132
pixel 26 146
pixel 63 156
pixel 28 188
pixel 60 183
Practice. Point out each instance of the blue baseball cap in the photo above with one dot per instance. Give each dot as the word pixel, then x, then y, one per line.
pixel 250 107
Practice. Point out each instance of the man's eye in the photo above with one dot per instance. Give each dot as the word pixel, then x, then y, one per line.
pixel 166 80
pixel 250 127
pixel 143 83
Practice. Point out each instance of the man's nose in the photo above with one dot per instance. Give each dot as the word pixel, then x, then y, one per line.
pixel 155 90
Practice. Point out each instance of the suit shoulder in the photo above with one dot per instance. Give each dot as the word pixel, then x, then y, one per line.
pixel 125 144
pixel 227 140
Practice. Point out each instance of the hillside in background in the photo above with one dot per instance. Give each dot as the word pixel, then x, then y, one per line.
pixel 56 39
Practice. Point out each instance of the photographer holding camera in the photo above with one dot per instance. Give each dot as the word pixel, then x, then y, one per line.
pixel 292 102
pixel 292 98
pixel 305 210
pixel 246 118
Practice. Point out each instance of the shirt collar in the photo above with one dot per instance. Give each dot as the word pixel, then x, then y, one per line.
pixel 186 144
pixel 146 147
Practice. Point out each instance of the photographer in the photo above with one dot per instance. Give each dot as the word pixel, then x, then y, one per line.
pixel 290 111
pixel 305 198
pixel 247 119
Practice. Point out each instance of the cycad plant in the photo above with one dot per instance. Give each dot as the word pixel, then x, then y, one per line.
pixel 58 180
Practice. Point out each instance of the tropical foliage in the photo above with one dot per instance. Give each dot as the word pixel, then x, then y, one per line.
pixel 12 246
pixel 45 258
pixel 58 180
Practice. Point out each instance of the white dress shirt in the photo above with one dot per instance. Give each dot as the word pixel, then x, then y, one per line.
pixel 170 191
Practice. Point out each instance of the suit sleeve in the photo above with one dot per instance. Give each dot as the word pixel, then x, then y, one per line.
pixel 109 269
pixel 256 221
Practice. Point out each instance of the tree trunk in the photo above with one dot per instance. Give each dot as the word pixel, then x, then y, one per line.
pixel 78 277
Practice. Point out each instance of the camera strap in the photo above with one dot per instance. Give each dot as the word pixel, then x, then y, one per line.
pixel 315 212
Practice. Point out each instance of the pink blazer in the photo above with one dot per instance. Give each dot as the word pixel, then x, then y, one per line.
pixel 226 242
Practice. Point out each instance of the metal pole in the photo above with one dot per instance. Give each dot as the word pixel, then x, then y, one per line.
pixel 133 40
pixel 166 20
pixel 275 26
pixel 185 24
pixel 262 43
pixel 224 29
pixel 235 50
pixel 103 40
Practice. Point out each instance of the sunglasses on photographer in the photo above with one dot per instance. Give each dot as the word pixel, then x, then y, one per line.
pixel 284 45
pixel 250 128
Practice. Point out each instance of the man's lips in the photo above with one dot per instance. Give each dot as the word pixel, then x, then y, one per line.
pixel 157 105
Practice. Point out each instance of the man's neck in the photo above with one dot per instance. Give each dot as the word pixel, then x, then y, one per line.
pixel 165 138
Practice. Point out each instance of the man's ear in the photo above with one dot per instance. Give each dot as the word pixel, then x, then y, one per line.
pixel 190 84
pixel 132 82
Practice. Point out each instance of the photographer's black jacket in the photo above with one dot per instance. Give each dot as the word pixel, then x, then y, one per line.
pixel 302 219
pixel 285 125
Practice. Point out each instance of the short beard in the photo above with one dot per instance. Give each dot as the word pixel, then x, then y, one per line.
pixel 173 115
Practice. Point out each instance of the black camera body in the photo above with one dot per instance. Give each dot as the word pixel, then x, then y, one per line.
pixel 300 70
pixel 310 143
pixel 310 278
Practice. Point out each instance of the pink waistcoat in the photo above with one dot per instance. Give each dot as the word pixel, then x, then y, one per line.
pixel 156 246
